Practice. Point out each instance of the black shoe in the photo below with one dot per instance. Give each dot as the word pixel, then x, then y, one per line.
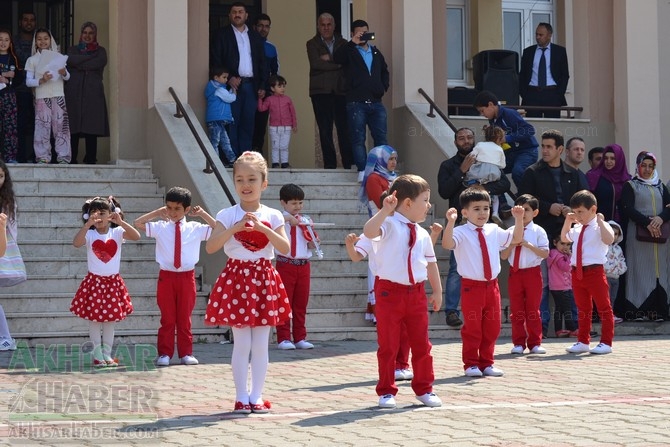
pixel 275 165
pixel 453 320
pixel 285 165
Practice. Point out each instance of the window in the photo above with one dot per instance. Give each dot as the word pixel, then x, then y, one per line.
pixel 456 43
pixel 520 18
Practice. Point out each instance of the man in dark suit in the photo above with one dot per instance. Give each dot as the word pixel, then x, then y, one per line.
pixel 242 51
pixel 544 74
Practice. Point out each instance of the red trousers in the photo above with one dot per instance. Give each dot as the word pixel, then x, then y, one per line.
pixel 480 305
pixel 398 304
pixel 296 280
pixel 525 293
pixel 175 295
pixel 592 288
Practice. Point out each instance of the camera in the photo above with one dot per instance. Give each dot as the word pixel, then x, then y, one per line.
pixel 368 36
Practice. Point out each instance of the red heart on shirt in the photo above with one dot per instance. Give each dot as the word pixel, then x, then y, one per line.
pixel 253 240
pixel 104 251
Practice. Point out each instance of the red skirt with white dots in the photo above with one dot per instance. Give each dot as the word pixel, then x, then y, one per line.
pixel 248 293
pixel 102 298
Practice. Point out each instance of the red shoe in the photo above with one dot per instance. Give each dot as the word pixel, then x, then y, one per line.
pixel 574 333
pixel 99 363
pixel 261 408
pixel 241 408
pixel 562 333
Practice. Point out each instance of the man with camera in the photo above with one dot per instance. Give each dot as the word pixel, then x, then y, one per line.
pixel 367 79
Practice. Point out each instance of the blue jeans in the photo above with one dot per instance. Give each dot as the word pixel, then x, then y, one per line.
pixel 244 116
pixel 220 141
pixel 372 115
pixel 517 160
pixel 452 287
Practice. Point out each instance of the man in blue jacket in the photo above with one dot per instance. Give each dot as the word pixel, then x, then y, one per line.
pixel 367 79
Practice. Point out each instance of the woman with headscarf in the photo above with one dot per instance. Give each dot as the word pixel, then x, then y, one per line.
pixel 644 201
pixel 377 177
pixel 85 93
pixel 607 179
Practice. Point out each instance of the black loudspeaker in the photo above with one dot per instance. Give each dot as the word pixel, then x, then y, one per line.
pixel 462 95
pixel 498 72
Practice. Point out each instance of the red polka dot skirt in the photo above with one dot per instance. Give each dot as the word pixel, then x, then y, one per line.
pixel 102 298
pixel 248 293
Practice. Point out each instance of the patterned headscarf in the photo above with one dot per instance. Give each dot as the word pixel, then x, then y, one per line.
pixel 646 155
pixel 617 176
pixel 377 161
pixel 92 47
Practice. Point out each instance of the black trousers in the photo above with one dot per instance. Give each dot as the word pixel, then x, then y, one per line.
pixel 329 109
pixel 545 97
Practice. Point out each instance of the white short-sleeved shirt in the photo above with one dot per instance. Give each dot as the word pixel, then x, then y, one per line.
pixel 192 234
pixel 469 253
pixel 391 250
pixel 594 250
pixel 103 251
pixel 302 251
pixel 251 245
pixel 535 235
pixel 364 247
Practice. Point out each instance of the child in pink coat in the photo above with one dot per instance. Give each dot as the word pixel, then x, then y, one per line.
pixel 282 120
pixel 560 286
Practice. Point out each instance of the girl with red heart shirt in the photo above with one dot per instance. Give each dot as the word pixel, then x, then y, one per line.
pixel 249 295
pixel 102 297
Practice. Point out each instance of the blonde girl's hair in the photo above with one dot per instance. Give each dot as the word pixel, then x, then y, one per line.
pixel 408 186
pixel 255 160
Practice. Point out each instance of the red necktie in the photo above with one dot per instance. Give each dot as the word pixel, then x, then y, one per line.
pixel 517 257
pixel 177 245
pixel 579 272
pixel 294 236
pixel 485 255
pixel 412 241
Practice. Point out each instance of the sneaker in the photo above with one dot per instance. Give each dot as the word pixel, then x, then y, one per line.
pixel 304 344
pixel 8 344
pixel 453 320
pixel 578 348
pixel 492 371
pixel 286 345
pixel 538 350
pixel 387 401
pixel 602 348
pixel 618 320
pixel 163 360
pixel 189 360
pixel 562 333
pixel 361 175
pixel 473 371
pixel 517 349
pixel 430 400
pixel 403 374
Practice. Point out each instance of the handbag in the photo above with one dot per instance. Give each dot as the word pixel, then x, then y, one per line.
pixel 12 268
pixel 642 234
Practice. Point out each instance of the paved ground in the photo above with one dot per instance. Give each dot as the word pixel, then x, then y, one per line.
pixel 326 397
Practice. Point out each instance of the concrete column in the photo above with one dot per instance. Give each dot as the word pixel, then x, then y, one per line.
pixel 486 25
pixel 167 30
pixel 637 77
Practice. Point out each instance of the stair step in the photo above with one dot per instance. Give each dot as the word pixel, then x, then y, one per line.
pixel 80 172
pixel 93 186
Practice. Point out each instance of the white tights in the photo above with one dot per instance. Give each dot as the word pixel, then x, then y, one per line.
pixel 4 328
pixel 96 329
pixel 250 347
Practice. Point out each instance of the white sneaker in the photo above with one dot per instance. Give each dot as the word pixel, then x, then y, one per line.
pixel 538 350
pixel 286 345
pixel 361 175
pixel 492 371
pixel 189 360
pixel 602 348
pixel 578 348
pixel 430 400
pixel 163 360
pixel 304 344
pixel 473 371
pixel 8 344
pixel 517 349
pixel 403 374
pixel 387 401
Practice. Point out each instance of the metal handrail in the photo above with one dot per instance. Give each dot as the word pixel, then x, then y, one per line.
pixel 568 109
pixel 434 106
pixel 210 166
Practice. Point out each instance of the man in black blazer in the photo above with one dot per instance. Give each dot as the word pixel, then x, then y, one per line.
pixel 544 87
pixel 248 73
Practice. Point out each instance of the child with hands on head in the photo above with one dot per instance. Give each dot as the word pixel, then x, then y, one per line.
pixel 249 294
pixel 476 245
pixel 399 287
pixel 102 297
pixel 177 253
pixel 50 110
pixel 591 236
